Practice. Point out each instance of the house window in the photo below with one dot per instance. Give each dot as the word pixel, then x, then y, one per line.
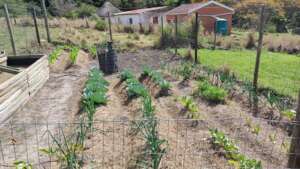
pixel 155 20
pixel 130 21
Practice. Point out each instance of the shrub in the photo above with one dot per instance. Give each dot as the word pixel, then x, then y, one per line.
pixel 210 92
pixel 100 25
pixel 250 41
pixel 85 10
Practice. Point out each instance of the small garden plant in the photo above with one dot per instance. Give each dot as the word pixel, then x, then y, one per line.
pixel 56 52
pixel 238 160
pixel 157 78
pixel 211 93
pixel 190 107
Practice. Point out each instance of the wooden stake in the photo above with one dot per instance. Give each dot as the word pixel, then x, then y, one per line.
pixel 294 157
pixel 36 27
pixel 215 35
pixel 176 33
pixel 12 40
pixel 196 37
pixel 162 26
pixel 46 20
pixel 257 64
pixel 109 25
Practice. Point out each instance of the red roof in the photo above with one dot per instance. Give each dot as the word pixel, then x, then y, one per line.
pixel 190 8
pixel 139 11
pixel 185 8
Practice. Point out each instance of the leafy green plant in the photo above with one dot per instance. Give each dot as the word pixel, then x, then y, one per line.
pixel 135 88
pixel 94 93
pixel 190 107
pixel 210 92
pixel 100 25
pixel 74 54
pixel 126 74
pixel 55 54
pixel 240 161
pixel 93 51
pixel 66 150
pixel 290 114
pixel 255 129
pixel 22 165
pixel 186 71
pixel 157 79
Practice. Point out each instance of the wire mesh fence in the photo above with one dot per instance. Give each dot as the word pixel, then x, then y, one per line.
pixel 118 144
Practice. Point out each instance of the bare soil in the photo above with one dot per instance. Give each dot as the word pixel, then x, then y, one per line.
pixel 114 146
pixel 114 142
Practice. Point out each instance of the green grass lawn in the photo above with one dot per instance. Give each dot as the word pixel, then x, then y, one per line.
pixel 277 70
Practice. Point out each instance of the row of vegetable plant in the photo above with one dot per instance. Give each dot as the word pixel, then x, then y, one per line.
pixel 232 153
pixel 74 50
pixel 157 78
pixel 155 147
pixel 68 148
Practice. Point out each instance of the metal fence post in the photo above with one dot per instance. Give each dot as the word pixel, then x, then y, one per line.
pixel 294 157
pixel 258 55
pixel 36 26
pixel 12 40
pixel 46 20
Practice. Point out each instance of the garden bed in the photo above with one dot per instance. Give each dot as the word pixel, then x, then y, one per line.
pixel 21 84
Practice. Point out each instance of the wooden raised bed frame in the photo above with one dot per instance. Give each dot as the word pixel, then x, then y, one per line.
pixel 16 91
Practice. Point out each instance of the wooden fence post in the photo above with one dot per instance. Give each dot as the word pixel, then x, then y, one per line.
pixel 176 34
pixel 215 35
pixel 196 37
pixel 258 55
pixel 46 20
pixel 12 40
pixel 109 26
pixel 162 26
pixel 294 156
pixel 36 26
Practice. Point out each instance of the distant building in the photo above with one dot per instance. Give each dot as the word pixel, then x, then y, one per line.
pixel 106 8
pixel 144 16
pixel 209 12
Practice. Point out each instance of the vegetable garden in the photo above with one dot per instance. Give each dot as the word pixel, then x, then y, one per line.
pixel 161 110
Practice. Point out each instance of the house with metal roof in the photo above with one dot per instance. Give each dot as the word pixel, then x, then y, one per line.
pixel 210 13
pixel 143 16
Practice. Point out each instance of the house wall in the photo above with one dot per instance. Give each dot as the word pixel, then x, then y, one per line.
pixel 207 22
pixel 125 19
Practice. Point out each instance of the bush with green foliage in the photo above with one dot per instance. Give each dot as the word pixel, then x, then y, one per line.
pixel 100 25
pixel 210 92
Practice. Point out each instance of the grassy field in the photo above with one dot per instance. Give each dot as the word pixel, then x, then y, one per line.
pixel 278 71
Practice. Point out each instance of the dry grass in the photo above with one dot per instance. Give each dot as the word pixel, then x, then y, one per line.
pixel 287 43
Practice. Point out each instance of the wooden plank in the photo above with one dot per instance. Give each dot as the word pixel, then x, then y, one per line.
pixel 9 69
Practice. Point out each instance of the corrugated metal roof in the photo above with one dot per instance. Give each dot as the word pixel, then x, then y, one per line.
pixel 139 11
